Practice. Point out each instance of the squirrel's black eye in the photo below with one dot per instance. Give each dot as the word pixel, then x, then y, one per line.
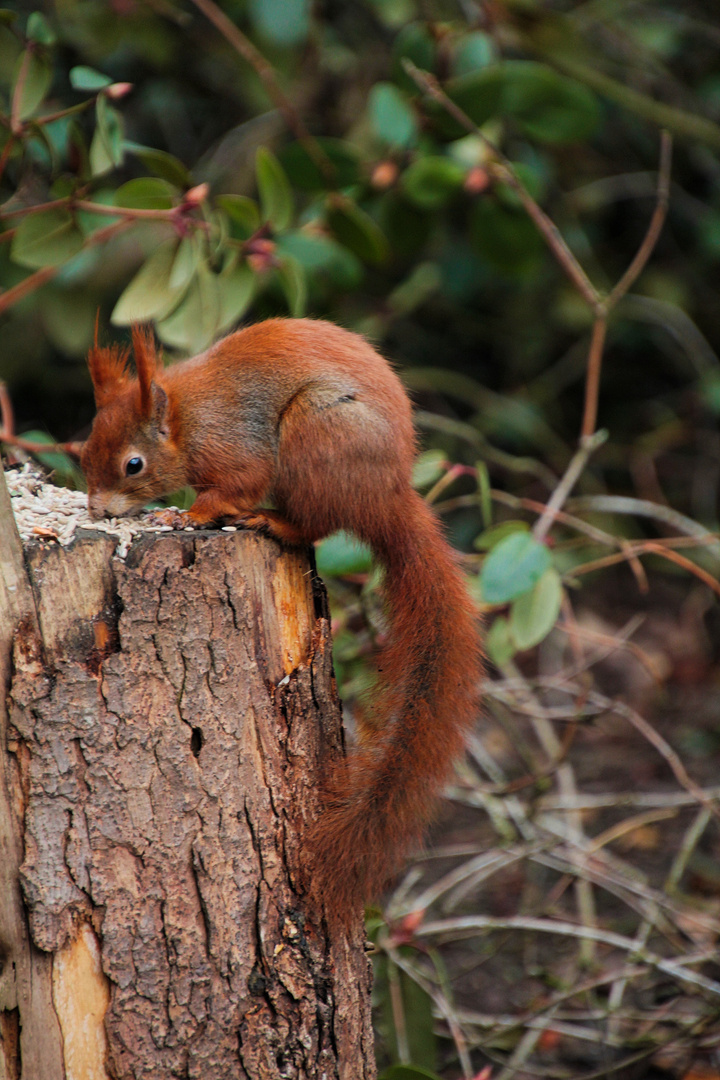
pixel 134 466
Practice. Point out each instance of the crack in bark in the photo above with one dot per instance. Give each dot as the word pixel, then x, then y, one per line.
pixel 231 604
pixel 196 863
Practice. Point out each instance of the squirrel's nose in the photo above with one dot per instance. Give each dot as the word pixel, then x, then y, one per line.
pixel 96 507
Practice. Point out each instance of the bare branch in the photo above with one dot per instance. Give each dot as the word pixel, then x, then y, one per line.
pixel 266 73
pixel 505 171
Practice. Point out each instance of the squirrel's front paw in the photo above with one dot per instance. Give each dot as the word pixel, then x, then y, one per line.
pixel 175 519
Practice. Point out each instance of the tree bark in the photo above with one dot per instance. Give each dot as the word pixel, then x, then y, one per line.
pixel 168 719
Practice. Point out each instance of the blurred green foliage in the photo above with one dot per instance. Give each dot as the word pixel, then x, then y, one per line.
pixel 318 179
pixel 388 221
pixel 150 173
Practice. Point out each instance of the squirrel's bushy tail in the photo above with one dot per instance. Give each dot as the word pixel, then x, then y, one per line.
pixel 380 799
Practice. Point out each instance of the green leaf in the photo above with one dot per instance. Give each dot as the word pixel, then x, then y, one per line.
pixel 88 79
pixel 709 391
pixel 243 212
pixel 548 106
pixel 432 181
pixel 294 285
pixel 533 615
pixel 499 643
pixel 150 294
pixel 414 42
pixel 146 193
pixel 478 94
pixel 61 464
pixel 39 29
pixel 305 173
pixel 406 227
pixel 473 52
pixel 284 22
pixel 106 149
pixel 47 238
pixel 428 468
pixel 68 317
pixel 495 533
pixel 185 263
pixel 236 290
pixel 357 231
pixel 90 221
pixel 391 115
pixel 506 238
pixel 77 146
pixel 513 567
pixel 10 49
pixel 421 283
pixel 162 164
pixel 313 250
pixel 323 257
pixel 342 554
pixel 32 79
pixel 276 197
pixel 193 324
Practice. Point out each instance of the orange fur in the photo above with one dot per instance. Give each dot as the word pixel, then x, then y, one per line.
pixel 311 417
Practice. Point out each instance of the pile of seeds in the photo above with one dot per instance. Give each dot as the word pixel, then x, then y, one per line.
pixel 45 512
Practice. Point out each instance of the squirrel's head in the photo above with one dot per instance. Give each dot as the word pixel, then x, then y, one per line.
pixel 130 456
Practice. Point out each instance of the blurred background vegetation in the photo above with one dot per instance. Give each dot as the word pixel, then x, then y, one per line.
pixel 404 239
pixel 298 168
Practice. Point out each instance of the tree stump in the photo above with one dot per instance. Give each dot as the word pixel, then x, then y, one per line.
pixel 168 719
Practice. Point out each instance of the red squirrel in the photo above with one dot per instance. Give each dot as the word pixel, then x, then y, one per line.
pixel 308 416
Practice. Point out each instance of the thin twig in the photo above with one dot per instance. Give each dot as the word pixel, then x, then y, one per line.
pixel 7 416
pixel 126 211
pixel 654 229
pixel 429 84
pixel 631 824
pixel 21 211
pixel 26 286
pixel 441 1001
pixel 648 547
pixel 6 151
pixel 599 330
pixel 266 73
pixel 592 378
pixel 51 118
pixel 690 841
pixel 556 999
pixel 562 491
pixel 626 504
pixel 527 1044
pixel 601 305
pixel 611 643
pixel 72 448
pixel 687 564
pixel 470 924
pixel 611 800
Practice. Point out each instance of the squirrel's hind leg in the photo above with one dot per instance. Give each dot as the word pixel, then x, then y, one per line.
pixel 340 463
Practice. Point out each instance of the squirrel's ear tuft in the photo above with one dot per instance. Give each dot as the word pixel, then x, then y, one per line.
pixel 108 370
pixel 147 365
